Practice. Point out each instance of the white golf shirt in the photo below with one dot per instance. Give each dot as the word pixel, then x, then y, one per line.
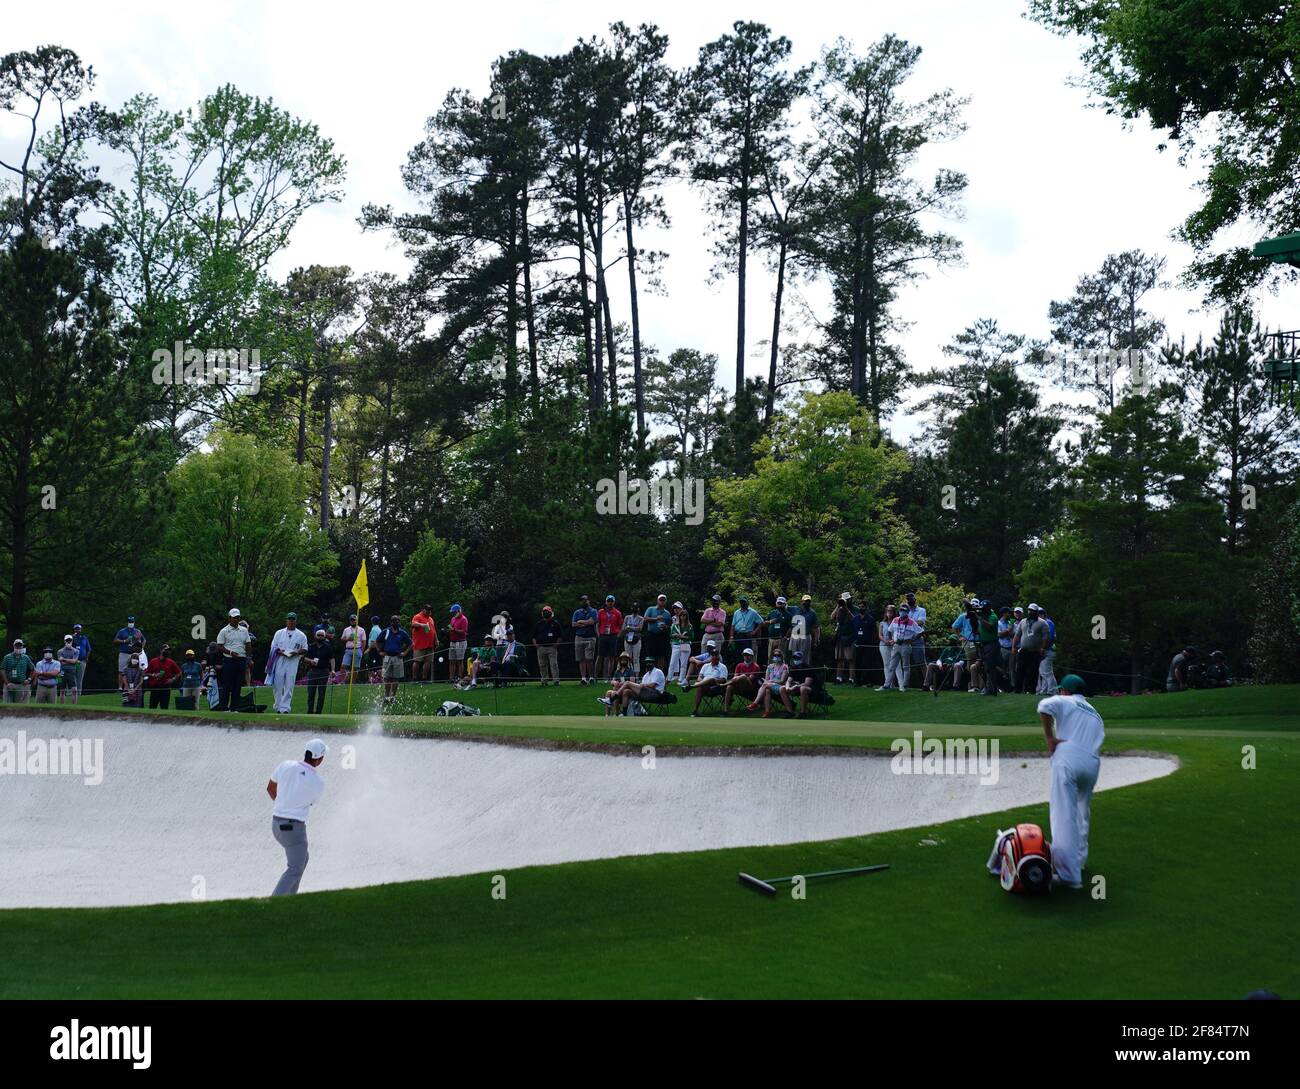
pixel 234 639
pixel 1077 722
pixel 713 672
pixel 297 786
pixel 655 677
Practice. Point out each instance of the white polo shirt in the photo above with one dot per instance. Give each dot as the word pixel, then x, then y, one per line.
pixel 1077 722
pixel 654 676
pixel 713 672
pixel 234 639
pixel 297 788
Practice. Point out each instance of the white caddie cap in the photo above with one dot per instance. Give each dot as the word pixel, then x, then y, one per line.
pixel 234 612
pixel 317 748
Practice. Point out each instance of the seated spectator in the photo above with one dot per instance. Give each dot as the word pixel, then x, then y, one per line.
pixel 745 682
pixel 773 680
pixel 949 665
pixel 482 663
pixel 514 659
pixel 805 681
pixel 713 679
pixel 48 672
pixel 623 674
pixel 698 662
pixel 1179 679
pixel 650 687
pixel 1217 674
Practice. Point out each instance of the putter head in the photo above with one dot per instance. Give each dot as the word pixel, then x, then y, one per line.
pixel 755 883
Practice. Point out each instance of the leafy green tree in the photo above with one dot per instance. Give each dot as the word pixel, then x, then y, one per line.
pixel 1139 542
pixel 1219 77
pixel 433 574
pixel 239 535
pixel 816 515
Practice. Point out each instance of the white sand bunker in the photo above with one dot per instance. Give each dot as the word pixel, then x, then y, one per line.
pixel 184 808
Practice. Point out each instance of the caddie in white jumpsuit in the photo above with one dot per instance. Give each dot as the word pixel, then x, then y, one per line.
pixel 294 787
pixel 288 646
pixel 1075 733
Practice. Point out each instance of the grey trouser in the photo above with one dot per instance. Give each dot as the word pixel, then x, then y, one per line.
pixel 548 664
pixel 292 836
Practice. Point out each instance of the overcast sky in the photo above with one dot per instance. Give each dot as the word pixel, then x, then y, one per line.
pixel 1054 185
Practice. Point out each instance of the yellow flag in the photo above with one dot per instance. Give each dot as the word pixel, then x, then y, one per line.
pixel 361 589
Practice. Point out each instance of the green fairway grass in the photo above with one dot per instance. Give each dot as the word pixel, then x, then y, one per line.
pixel 1198 870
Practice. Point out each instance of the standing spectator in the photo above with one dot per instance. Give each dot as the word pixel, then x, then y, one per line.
pixel 83 654
pixel 129 640
pixel 546 637
pixel 919 614
pixel 324 623
pixel 634 635
pixel 609 629
pixel 1017 630
pixel 134 675
pixel 744 684
pixel 163 674
pixel 1047 665
pixel 374 654
pixel 745 622
pixel 424 641
pixel 986 634
pixel 213 663
pixel 583 622
pixel 1006 629
pixel 191 677
pixel 1029 652
pixel 394 644
pixel 713 621
pixel 48 671
pixel 657 620
pixel 846 627
pixel 805 631
pixel 713 678
pixel 864 640
pixel 18 670
pixel 288 648
pixel 1179 676
pixel 777 629
pixel 248 658
pixel 234 640
pixel 69 659
pixel 903 631
pixel 964 626
pixel 682 635
pixel 1216 673
pixel 457 643
pixel 320 663
pixel 774 679
pixel 354 645
pixel 885 637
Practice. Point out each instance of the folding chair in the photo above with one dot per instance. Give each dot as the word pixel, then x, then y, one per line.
pixel 658 705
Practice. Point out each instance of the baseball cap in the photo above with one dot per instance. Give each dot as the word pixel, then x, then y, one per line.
pixel 609 597
pixel 743 599
pixel 76 627
pixel 1072 682
pixel 317 748
pixel 780 600
pixel 291 616
pixel 189 654
pixel 130 619
pixel 547 609
pixel 806 597
pixel 19 643
pixel 454 609
pixel 710 645
pixel 48 650
pixel 233 612
pixel 352 616
pixel 748 651
pixel 717 597
pixel 1018 609
pixel 678 605
pixel 662 597
pixel 67 639
pixel 1033 606
pixel 796 658
pixel 846 596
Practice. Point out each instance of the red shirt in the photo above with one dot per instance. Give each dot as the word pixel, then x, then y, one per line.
pixel 168 668
pixel 609 621
pixel 422 639
pixel 459 628
pixel 744 669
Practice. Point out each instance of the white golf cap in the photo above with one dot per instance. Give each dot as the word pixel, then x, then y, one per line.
pixel 749 651
pixel 846 596
pixel 710 645
pixel 1033 605
pixel 317 748
pixel 1018 609
pixel 234 612
pixel 677 605
pixel 780 601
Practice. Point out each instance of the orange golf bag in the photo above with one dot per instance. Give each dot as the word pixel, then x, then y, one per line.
pixel 1022 860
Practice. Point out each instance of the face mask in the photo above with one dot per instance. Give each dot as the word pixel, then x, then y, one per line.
pixel 48 655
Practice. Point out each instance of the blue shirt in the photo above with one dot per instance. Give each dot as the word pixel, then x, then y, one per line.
pixel 191 674
pixel 83 646
pixel 657 619
pixel 743 621
pixel 581 616
pixel 394 641
pixel 132 635
pixel 963 626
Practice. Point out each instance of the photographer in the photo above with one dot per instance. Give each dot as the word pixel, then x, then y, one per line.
pixel 965 627
pixel 990 654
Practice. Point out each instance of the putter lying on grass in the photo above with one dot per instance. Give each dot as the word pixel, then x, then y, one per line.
pixel 767 887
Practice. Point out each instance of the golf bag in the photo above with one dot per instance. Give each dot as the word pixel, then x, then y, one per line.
pixel 451 708
pixel 1022 860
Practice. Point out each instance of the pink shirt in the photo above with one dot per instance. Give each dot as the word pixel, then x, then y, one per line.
pixel 459 628
pixel 714 621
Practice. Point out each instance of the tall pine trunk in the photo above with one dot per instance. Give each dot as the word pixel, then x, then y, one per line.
pixel 327 441
pixel 770 405
pixel 638 385
pixel 530 316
